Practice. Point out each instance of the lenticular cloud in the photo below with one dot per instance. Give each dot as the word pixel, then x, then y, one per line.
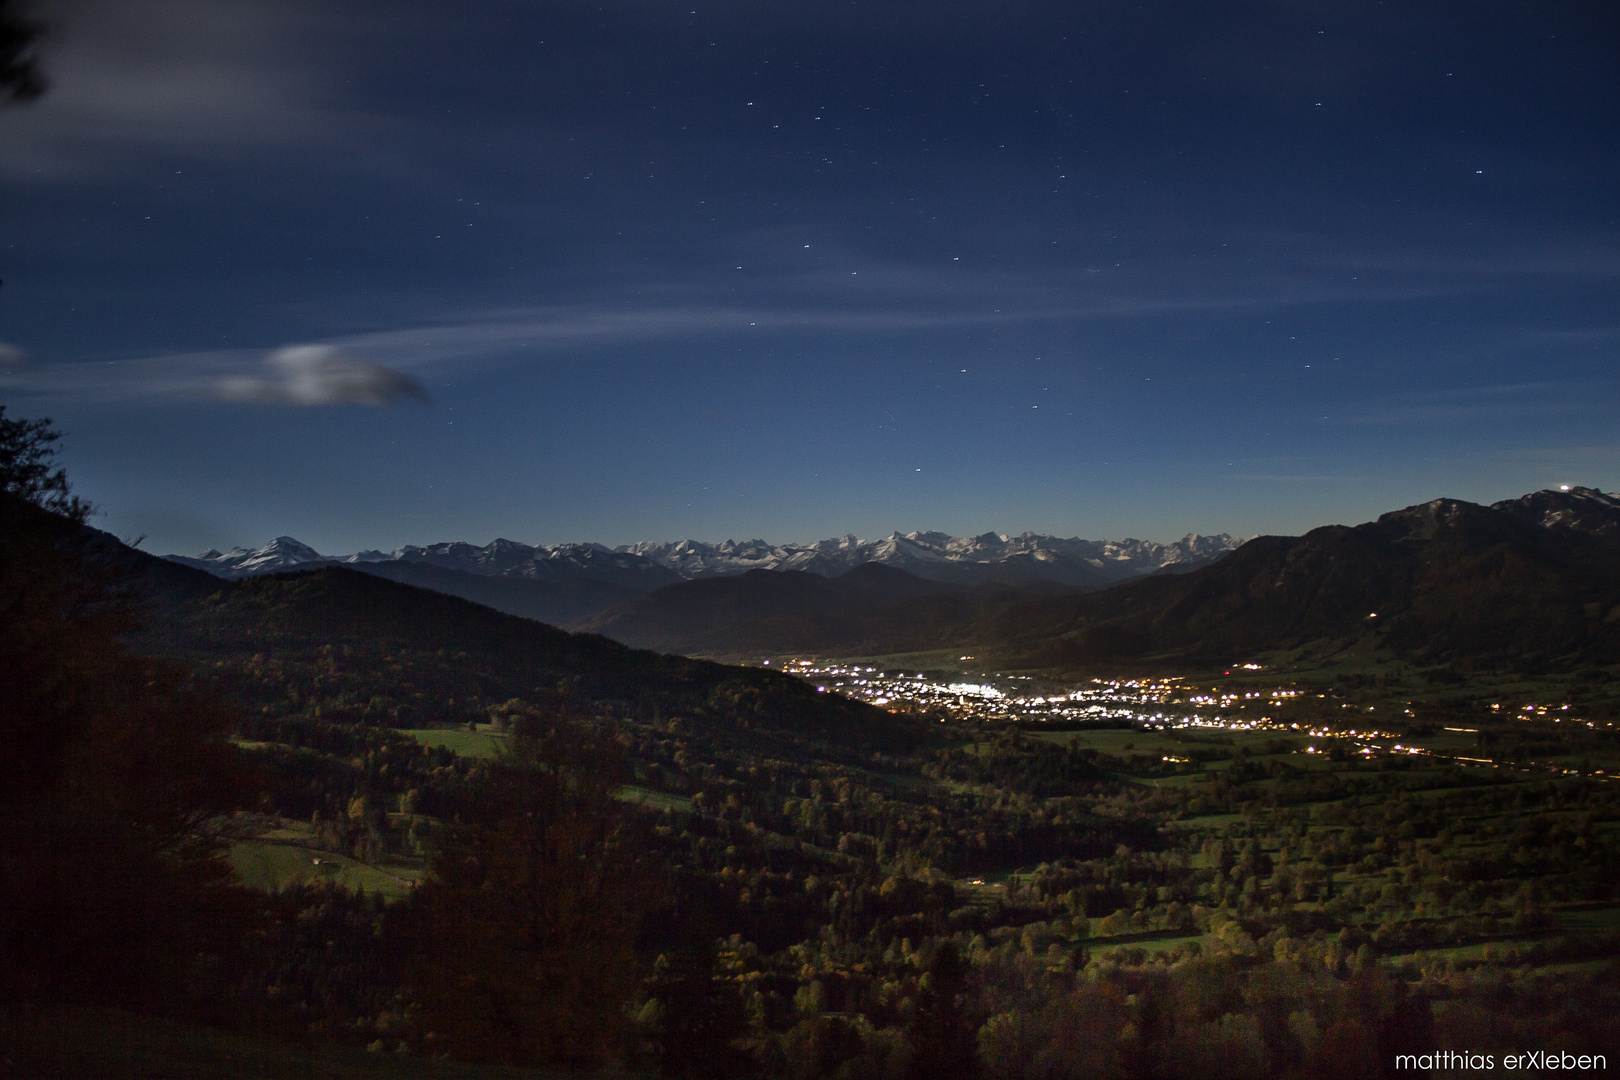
pixel 321 375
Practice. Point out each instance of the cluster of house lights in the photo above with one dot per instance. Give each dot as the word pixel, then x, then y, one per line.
pixel 1150 702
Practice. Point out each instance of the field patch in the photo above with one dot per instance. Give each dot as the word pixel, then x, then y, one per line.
pixel 474 744
pixel 270 865
pixel 654 800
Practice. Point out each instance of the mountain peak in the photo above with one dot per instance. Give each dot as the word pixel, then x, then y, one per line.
pixel 988 557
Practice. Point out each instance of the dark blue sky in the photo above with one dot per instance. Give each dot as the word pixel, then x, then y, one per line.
pixel 385 273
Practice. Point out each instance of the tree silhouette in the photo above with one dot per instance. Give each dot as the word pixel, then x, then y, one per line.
pixel 941 1033
pixel 701 1016
pixel 28 469
pixel 525 928
pixel 115 777
pixel 20 79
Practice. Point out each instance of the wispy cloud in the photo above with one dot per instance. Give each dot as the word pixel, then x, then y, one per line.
pixel 878 300
pixel 320 375
pixel 323 374
pixel 1282 478
pixel 1575 260
pixel 1480 403
pixel 1594 335
pixel 831 291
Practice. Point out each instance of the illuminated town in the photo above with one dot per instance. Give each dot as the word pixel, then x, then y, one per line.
pixel 1154 703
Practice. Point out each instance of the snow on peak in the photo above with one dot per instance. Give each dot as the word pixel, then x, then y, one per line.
pixel 282 553
pixel 938 555
pixel 987 557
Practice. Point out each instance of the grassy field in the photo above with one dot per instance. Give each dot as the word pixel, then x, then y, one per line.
pixel 482 743
pixel 285 856
pixel 487 744
pixel 1154 942
pixel 267 864
pixel 655 800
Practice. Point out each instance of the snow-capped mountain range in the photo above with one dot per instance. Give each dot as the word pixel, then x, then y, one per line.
pixel 939 556
pixel 580 585
pixel 1029 558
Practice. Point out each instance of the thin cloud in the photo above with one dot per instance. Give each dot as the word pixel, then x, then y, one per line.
pixel 1280 478
pixel 210 77
pixel 1595 335
pixel 852 296
pixel 1592 260
pixel 320 375
pixel 11 356
pixel 1480 404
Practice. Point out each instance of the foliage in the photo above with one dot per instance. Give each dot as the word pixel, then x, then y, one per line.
pixel 695 1015
pixel 27 458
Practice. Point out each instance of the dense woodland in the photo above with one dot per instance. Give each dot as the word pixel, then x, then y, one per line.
pixel 698 871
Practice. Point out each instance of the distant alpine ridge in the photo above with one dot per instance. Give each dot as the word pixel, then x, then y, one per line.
pixel 1027 560
pixel 1524 584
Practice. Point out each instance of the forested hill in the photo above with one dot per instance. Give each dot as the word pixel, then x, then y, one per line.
pixel 341 646
pixel 872 608
pixel 1524 584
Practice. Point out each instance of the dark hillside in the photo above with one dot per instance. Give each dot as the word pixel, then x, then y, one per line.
pixel 344 646
pixel 872 606
pixel 1522 585
pixel 561 603
pixel 1445 581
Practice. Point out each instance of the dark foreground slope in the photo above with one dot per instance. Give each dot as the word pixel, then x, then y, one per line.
pixel 1532 583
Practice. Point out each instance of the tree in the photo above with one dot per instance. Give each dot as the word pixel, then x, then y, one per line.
pixel 115 777
pixel 942 1035
pixel 20 79
pixel 28 469
pixel 523 932
pixel 700 1014
pixel 56 618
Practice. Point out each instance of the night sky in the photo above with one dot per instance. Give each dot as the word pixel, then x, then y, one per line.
pixel 382 273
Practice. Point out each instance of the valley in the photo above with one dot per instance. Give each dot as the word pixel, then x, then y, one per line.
pixel 1328 850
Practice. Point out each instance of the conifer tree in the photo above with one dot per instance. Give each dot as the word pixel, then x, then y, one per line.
pixel 524 931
